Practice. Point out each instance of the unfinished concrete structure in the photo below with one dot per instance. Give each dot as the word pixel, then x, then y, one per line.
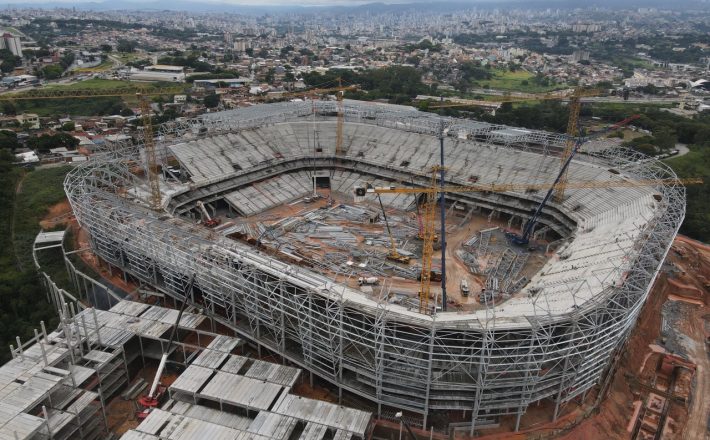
pixel 554 339
pixel 59 384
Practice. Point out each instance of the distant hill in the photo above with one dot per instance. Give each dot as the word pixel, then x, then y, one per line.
pixel 380 7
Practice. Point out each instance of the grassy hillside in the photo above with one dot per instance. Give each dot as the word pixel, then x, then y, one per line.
pixel 40 189
pixel 93 106
pixel 518 81
pixel 23 302
pixel 697 217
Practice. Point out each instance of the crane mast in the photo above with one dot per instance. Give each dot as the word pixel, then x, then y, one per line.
pixel 429 219
pixel 433 190
pixel 143 94
pixel 156 199
pixel 341 116
pixel 574 106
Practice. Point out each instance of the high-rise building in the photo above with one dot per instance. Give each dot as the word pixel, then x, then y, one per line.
pixel 580 55
pixel 240 45
pixel 11 43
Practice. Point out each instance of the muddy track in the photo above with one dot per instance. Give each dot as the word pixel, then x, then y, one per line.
pixel 18 190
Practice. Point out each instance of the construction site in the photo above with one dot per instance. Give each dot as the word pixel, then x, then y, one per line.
pixel 378 251
pixel 460 274
pixel 89 379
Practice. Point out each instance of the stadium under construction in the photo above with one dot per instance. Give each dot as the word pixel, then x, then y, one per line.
pixel 257 204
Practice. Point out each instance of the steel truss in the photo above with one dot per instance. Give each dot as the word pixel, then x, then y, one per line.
pixel 391 357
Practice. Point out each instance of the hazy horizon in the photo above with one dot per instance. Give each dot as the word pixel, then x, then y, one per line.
pixel 209 4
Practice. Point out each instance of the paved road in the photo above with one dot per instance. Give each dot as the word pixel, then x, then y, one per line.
pixel 63 81
pixel 606 99
pixel 117 63
pixel 682 150
pixel 654 100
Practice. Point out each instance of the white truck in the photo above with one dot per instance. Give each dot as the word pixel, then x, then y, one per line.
pixel 464 287
pixel 368 281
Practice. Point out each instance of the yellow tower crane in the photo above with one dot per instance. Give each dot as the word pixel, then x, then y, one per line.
pixel 575 104
pixel 341 121
pixel 339 96
pixel 142 93
pixel 432 192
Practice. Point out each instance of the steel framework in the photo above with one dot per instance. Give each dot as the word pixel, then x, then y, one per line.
pixel 484 364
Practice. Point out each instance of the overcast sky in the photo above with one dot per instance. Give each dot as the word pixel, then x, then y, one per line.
pixel 263 2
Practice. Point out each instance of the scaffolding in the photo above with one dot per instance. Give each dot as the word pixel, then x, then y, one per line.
pixel 553 341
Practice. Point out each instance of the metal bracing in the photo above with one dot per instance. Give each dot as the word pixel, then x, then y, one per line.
pixel 486 364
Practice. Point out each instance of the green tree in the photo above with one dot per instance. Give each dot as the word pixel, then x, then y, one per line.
pixel 647 149
pixel 9 61
pixel 106 48
pixel 8 140
pixel 211 101
pixel 702 136
pixel 8 108
pixel 22 297
pixel 67 60
pixel 665 139
pixel 269 78
pixel 697 216
pixel 68 126
pixel 46 142
pixel 53 71
pixel 126 46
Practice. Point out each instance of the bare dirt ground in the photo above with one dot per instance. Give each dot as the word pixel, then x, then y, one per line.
pixel 456 270
pixel 81 241
pixel 696 258
pixel 687 283
pixel 58 215
pixel 61 214
pixel 684 285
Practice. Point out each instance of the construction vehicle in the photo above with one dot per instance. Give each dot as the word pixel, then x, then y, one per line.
pixel 574 105
pixel 524 238
pixel 432 191
pixel 207 219
pixel 464 287
pixel 392 254
pixel 433 276
pixel 368 281
pixel 153 399
pixel 428 233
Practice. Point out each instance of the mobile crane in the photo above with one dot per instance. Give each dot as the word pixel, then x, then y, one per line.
pixel 432 192
pixel 151 400
pixel 393 254
pixel 558 186
pixel 207 218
